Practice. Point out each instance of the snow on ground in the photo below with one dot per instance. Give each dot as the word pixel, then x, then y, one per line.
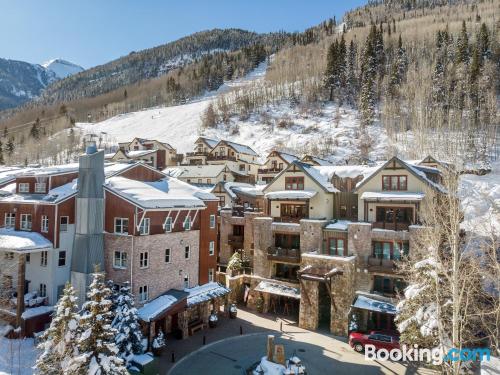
pixel 481 201
pixel 17 356
pixel 180 126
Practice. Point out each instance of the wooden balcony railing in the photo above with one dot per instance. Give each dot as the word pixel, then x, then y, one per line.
pixel 381 265
pixel 269 170
pixel 283 254
pixel 221 157
pixel 197 154
pixel 390 226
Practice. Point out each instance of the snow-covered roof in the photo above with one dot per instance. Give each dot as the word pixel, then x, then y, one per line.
pixel 243 188
pixel 242 149
pixel 177 187
pixel 205 292
pixel 138 153
pixel 289 158
pixel 278 289
pixel 195 171
pixel 321 178
pixel 52 170
pixel 156 307
pixel 338 225
pixel 317 160
pixel 344 171
pixel 23 241
pixel 153 194
pixel 392 196
pixel 111 169
pixel 36 311
pixel 371 304
pixel 55 195
pixel 291 194
pixel 209 141
pixel 8 174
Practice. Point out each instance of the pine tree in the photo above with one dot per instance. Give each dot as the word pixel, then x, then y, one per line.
pixel 462 55
pixel 59 340
pixel 10 146
pixel 398 69
pixel 35 129
pixel 352 79
pixel 368 78
pixel 331 61
pixel 483 42
pixel 2 161
pixel 129 337
pixel 98 352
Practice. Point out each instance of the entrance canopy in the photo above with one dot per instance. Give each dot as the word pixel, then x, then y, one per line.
pixel 371 304
pixel 169 303
pixel 278 289
pixel 18 241
pixel 291 195
pixel 205 292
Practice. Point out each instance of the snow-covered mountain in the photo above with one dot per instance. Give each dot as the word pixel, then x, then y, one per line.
pixel 21 81
pixel 62 68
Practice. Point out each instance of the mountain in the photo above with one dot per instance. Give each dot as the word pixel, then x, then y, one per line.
pixel 21 81
pixel 62 68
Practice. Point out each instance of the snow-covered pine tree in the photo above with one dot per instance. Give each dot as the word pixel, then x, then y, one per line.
pixel 462 54
pixel 98 352
pixel 58 344
pixel 352 79
pixel 331 61
pixel 129 337
pixel 368 77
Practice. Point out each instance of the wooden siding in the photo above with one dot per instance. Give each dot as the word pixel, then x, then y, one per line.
pixel 141 173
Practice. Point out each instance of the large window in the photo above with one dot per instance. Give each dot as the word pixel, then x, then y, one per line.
pixel 294 183
pixel 144 260
pixel 24 187
pixel 394 215
pixel 10 220
pixel 394 182
pixel 45 224
pixel 286 272
pixel 287 241
pixel 25 221
pixel 144 227
pixel 336 246
pixel 297 211
pixel 390 250
pixel 120 260
pixel 121 225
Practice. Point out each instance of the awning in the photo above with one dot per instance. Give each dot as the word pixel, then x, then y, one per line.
pixel 205 292
pixel 278 289
pixel 391 196
pixel 291 194
pixel 23 241
pixel 371 304
pixel 165 304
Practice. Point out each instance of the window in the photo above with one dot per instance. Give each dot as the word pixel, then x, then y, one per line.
pixel 168 224
pixel 40 187
pixel 144 227
pixel 187 223
pixel 43 290
pixel 43 258
pixel 337 247
pixel 62 258
pixel 209 180
pixel 167 255
pixel 64 221
pixel 121 225
pixel 297 211
pixel 394 215
pixel 186 281
pixel 25 221
pixel 144 260
pixel 212 221
pixel 387 285
pixel 45 224
pixel 10 220
pixel 394 183
pixel 28 257
pixel 390 250
pixel 242 167
pixel 294 183
pixel 187 252
pixel 120 260
pixel 143 293
pixel 210 275
pixel 24 187
pixel 211 248
pixel 222 201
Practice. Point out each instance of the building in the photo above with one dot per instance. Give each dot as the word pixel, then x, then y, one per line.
pixel 152 152
pixel 202 147
pixel 202 174
pixel 276 161
pixel 325 246
pixel 314 160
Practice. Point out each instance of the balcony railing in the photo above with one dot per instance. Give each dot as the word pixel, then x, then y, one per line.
pixel 221 157
pixel 269 170
pixel 283 254
pixel 197 154
pixel 390 226
pixel 381 265
pixel 288 219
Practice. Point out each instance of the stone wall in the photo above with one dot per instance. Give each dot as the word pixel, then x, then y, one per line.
pixel 311 235
pixel 263 239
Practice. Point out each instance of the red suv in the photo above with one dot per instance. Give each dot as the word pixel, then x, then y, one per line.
pixel 380 340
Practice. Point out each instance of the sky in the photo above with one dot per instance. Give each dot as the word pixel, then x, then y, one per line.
pixel 93 32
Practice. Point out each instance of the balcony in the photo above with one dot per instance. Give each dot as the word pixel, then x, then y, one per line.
pixel 380 265
pixel 288 219
pixel 269 170
pixel 283 255
pixel 235 240
pixel 197 153
pixel 390 226
pixel 221 157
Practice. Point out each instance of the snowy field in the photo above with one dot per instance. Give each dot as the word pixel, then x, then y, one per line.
pixel 17 357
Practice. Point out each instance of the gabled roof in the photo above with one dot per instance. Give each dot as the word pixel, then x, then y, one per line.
pixel 210 142
pixel 409 167
pixel 54 196
pixel 242 149
pixel 288 158
pixel 317 160
pixel 142 141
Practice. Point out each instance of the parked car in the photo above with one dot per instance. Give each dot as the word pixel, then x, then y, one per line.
pixel 381 340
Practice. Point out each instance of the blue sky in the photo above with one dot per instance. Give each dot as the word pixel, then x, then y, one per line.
pixel 92 32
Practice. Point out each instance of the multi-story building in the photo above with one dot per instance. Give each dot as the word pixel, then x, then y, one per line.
pixel 202 147
pixel 276 161
pixel 327 232
pixel 152 152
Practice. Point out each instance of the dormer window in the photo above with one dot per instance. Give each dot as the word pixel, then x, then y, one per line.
pixel 40 187
pixel 24 187
pixel 392 183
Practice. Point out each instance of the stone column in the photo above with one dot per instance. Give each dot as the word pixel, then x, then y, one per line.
pixel 311 235
pixel 308 316
pixel 204 311
pixel 263 237
pixel 183 323
pixel 248 240
pixel 226 228
pixel 342 297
